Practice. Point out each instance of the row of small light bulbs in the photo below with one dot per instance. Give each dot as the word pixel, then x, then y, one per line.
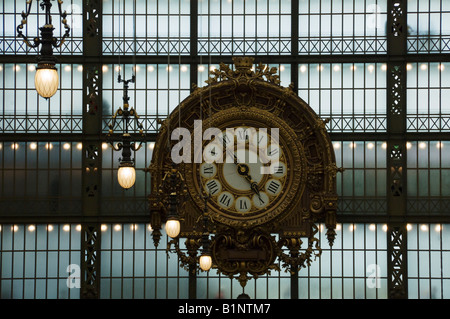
pixel 336 145
pixel 118 227
pixel 201 68
pixel 105 68
pixel 32 68
pixel 373 227
pixel 151 68
pixel 370 145
pixel 66 228
pixel 48 146
pixel 137 68
pixel 66 146
pixel 303 68
pixel 183 68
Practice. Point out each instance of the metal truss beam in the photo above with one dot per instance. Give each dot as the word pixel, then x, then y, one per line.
pixel 396 151
pixel 151 137
pixel 143 219
pixel 92 150
pixel 216 59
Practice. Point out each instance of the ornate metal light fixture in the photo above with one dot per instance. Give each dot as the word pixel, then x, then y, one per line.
pixel 172 182
pixel 46 78
pixel 126 174
pixel 205 260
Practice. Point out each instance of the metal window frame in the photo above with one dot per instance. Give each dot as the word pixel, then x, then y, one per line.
pixel 397 54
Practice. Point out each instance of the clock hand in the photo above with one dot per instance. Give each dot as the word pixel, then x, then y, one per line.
pixel 243 170
pixel 235 159
pixel 254 187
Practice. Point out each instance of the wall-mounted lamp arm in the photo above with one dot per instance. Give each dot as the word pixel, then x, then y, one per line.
pixel 46 37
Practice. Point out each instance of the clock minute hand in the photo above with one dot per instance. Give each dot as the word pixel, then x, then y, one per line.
pixel 243 170
pixel 253 184
pixel 254 187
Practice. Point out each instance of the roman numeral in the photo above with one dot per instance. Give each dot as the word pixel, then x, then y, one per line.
pixel 273 151
pixel 260 138
pixel 273 187
pixel 242 204
pixel 213 187
pixel 208 169
pixel 225 200
pixel 224 139
pixel 278 169
pixel 243 134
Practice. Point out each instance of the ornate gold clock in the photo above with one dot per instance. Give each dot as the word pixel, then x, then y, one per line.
pixel 258 160
pixel 251 176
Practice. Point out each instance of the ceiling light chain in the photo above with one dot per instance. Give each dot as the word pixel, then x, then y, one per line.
pixel 126 173
pixel 46 78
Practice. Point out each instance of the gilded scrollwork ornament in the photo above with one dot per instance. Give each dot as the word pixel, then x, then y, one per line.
pixel 244 70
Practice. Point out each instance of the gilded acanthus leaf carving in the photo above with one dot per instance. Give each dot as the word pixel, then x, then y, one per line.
pixel 244 70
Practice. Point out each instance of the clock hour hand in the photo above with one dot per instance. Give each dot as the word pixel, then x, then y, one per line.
pixel 235 159
pixel 244 170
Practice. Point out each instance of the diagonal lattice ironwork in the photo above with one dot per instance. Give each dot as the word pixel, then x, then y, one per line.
pixel 146 46
pixel 397 264
pixel 342 45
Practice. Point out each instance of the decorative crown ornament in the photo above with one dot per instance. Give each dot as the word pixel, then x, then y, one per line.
pixel 243 63
pixel 244 71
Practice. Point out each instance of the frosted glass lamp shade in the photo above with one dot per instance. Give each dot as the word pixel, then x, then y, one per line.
pixel 205 262
pixel 173 228
pixel 46 81
pixel 126 176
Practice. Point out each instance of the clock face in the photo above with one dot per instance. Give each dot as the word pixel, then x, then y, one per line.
pixel 252 168
pixel 244 171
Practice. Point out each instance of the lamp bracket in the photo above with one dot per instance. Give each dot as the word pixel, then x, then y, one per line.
pixel 47 40
pixel 126 114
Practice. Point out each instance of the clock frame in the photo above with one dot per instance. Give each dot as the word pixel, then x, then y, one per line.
pixel 295 180
pixel 243 245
